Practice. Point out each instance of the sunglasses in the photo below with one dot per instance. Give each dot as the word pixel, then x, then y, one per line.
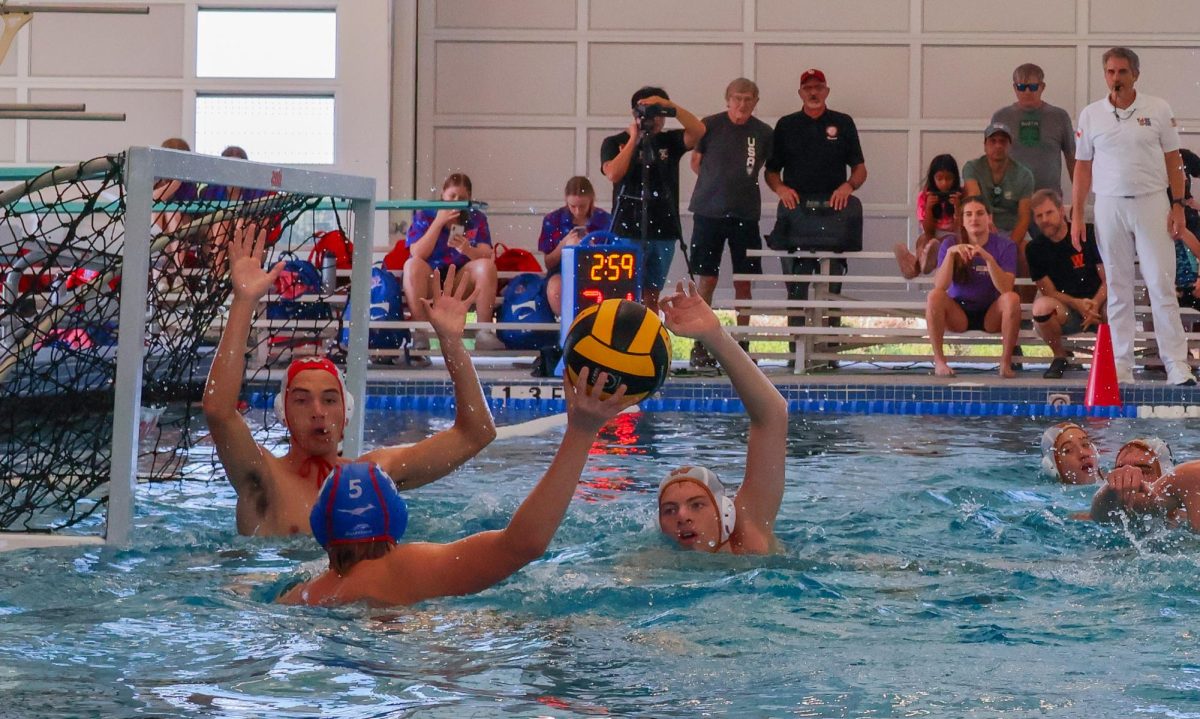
pixel 1027 86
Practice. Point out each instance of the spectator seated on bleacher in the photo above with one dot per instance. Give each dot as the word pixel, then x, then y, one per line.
pixel 565 227
pixel 1187 246
pixel 1005 185
pixel 1071 290
pixel 973 287
pixel 937 211
pixel 437 241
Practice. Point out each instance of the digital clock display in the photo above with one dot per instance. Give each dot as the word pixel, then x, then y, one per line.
pixel 604 274
pixel 592 274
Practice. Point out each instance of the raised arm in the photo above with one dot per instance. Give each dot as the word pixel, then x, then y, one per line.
pixel 758 499
pixel 481 560
pixel 1181 492
pixel 616 168
pixel 473 428
pixel 239 453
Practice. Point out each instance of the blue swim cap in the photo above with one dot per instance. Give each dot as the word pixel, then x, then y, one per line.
pixel 358 503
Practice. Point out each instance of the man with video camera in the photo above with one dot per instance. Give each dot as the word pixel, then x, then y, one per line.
pixel 643 165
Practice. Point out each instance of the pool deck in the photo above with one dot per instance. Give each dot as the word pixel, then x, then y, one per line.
pixel 857 389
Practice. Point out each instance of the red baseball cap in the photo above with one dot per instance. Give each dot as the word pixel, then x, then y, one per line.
pixel 812 73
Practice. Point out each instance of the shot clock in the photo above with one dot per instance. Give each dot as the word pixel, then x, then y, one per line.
pixel 601 267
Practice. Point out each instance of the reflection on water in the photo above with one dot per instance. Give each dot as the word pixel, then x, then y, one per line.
pixel 926 571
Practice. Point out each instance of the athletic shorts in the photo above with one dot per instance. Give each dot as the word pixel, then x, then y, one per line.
pixel 709 235
pixel 1073 323
pixel 1187 298
pixel 974 316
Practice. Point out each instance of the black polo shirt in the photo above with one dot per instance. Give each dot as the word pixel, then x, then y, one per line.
pixel 662 189
pixel 1073 273
pixel 815 154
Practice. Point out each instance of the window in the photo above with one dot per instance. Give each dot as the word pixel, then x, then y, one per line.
pixel 282 129
pixel 266 43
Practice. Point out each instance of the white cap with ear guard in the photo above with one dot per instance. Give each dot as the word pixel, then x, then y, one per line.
pixel 301 364
pixel 707 479
pixel 1050 447
pixel 1161 451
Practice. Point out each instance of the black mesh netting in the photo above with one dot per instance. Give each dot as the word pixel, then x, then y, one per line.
pixel 61 241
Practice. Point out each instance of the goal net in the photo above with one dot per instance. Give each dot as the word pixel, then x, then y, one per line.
pixel 97 391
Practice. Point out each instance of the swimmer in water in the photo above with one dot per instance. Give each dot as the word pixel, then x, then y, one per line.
pixel 1145 483
pixel 1069 456
pixel 276 494
pixel 359 519
pixel 694 510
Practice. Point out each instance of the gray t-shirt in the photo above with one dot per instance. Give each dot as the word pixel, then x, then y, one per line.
pixel 1003 197
pixel 733 156
pixel 1042 136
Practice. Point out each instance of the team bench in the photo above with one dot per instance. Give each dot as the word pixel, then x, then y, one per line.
pixel 323 333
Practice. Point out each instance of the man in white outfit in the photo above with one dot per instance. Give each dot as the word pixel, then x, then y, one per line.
pixel 1127 150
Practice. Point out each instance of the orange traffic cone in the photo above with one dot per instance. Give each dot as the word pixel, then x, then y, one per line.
pixel 1102 389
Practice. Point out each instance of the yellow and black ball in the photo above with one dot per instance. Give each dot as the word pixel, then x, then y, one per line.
pixel 624 339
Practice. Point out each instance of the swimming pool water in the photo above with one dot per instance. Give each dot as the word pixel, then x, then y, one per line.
pixel 926 571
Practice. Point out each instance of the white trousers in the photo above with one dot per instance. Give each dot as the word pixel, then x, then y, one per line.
pixel 1123 225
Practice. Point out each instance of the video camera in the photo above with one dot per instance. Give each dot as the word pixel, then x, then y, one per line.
pixel 647 113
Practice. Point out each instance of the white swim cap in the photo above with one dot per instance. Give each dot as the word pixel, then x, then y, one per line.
pixel 1050 447
pixel 1159 449
pixel 707 479
pixel 306 363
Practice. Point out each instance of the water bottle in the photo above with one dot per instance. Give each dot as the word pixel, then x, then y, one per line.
pixel 329 272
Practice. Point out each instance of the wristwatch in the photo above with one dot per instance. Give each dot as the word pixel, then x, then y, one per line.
pixel 1177 201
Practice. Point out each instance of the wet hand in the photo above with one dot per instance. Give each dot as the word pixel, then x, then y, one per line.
pixel 246 248
pixel 586 410
pixel 687 314
pixel 1131 487
pixel 448 303
pixel 445 217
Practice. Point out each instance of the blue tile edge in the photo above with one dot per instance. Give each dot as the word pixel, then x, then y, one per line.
pixel 436 396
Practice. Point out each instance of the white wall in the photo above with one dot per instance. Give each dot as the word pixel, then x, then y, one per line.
pixel 145 66
pixel 520 93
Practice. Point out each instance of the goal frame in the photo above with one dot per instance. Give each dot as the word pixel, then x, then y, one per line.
pixel 145 165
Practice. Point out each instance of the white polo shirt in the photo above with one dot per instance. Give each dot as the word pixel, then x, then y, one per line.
pixel 1126 147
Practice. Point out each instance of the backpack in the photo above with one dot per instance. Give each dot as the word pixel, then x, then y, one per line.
pixel 515 259
pixel 297 278
pixel 397 256
pixel 387 305
pixel 524 300
pixel 333 242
